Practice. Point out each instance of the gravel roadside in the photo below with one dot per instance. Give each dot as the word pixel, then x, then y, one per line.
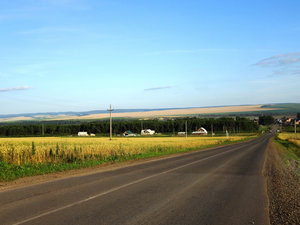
pixel 283 188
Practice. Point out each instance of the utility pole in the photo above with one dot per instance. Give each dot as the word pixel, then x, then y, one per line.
pixel 173 127
pixel 212 130
pixel 295 126
pixel 186 129
pixel 110 122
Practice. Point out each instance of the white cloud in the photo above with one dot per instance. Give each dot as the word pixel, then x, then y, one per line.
pixel 21 88
pixel 157 88
pixel 280 60
pixel 282 65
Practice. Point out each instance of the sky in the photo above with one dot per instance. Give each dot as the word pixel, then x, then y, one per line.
pixel 81 55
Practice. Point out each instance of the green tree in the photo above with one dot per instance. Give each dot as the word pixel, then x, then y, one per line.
pixel 266 120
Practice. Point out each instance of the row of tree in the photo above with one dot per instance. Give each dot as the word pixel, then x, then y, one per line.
pixel 101 127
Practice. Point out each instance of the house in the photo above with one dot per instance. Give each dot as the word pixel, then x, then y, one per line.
pixel 200 131
pixel 82 134
pixel 295 121
pixel 289 121
pixel 92 135
pixel 129 133
pixel 147 132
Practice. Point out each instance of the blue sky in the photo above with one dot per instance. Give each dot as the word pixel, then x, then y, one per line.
pixel 79 55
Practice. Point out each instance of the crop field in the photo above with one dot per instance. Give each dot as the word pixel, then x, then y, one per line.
pixel 21 157
pixel 152 113
pixel 20 151
pixel 291 137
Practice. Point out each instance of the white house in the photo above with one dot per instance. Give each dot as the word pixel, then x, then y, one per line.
pixel 129 133
pixel 147 132
pixel 83 134
pixel 200 131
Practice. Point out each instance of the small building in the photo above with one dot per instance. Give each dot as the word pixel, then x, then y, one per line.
pixel 288 120
pixel 129 133
pixel 201 131
pixel 92 135
pixel 147 132
pixel 83 134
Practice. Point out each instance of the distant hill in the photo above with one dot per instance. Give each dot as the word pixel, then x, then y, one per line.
pixel 284 107
pixel 274 109
pixel 53 114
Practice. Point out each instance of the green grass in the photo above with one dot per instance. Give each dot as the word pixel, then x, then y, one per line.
pixel 291 153
pixel 9 172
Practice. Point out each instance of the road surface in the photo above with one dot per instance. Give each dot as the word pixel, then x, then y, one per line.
pixel 224 185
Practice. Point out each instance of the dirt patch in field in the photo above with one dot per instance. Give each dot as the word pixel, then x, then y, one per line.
pixel 283 188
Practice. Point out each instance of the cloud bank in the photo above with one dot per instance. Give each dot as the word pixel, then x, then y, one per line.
pixel 22 88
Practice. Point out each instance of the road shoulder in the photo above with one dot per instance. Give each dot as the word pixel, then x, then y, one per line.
pixel 283 188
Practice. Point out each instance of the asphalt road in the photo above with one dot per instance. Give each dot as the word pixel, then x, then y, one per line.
pixel 224 185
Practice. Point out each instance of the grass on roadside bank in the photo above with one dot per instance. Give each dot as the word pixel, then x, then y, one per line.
pixel 290 147
pixel 283 177
pixel 35 156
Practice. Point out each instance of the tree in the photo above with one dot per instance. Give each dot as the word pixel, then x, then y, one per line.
pixel 266 120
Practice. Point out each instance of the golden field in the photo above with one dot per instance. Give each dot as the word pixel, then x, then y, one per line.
pixel 151 114
pixel 180 112
pixel 291 137
pixel 34 150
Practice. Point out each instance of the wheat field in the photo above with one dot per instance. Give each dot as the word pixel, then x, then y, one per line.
pixel 291 137
pixel 19 151
pixel 151 114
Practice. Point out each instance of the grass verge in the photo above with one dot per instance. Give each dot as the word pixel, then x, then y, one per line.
pixel 290 154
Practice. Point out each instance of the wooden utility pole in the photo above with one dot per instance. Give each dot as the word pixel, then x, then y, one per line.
pixel 295 126
pixel 186 129
pixel 173 127
pixel 110 122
